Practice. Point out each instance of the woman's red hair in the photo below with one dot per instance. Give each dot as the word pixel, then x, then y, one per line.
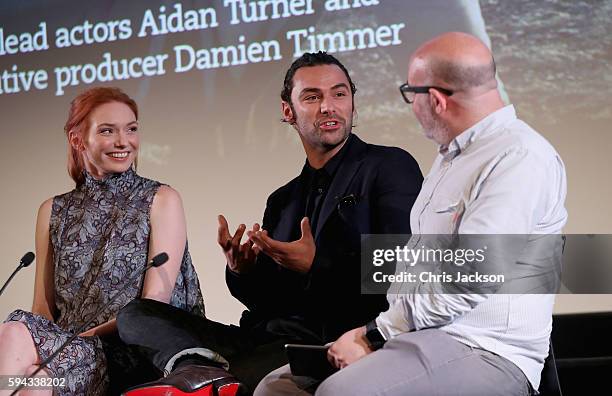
pixel 78 121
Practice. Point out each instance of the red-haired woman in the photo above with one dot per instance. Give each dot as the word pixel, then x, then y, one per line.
pixel 89 242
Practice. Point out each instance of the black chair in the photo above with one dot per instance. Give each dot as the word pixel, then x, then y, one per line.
pixel 583 352
pixel 549 383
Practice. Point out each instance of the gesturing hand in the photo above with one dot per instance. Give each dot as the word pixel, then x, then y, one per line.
pixel 240 257
pixel 296 256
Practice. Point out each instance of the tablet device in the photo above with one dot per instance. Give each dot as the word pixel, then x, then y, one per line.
pixel 309 360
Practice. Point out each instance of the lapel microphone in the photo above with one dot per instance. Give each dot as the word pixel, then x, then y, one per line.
pixel 348 200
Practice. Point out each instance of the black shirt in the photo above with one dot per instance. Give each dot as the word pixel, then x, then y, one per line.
pixel 316 183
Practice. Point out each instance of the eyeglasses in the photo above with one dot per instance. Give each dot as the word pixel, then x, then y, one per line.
pixel 408 92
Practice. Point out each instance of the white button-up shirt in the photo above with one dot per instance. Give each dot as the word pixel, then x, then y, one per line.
pixel 497 177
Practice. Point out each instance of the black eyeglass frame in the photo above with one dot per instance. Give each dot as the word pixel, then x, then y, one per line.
pixel 405 88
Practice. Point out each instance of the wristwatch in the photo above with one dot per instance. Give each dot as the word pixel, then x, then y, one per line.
pixel 374 336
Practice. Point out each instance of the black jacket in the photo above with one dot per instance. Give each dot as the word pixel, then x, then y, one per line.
pixel 372 192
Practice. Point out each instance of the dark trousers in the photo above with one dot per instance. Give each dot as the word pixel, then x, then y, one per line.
pixel 125 365
pixel 161 331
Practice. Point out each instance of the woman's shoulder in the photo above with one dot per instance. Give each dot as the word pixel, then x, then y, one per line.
pixel 59 201
pixel 56 202
pixel 45 208
pixel 158 195
pixel 166 197
pixel 47 212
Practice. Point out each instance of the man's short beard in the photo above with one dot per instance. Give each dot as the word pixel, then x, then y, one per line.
pixel 443 134
pixel 329 146
pixel 438 130
pixel 348 128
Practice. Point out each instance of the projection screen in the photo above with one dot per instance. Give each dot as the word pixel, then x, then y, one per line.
pixel 207 76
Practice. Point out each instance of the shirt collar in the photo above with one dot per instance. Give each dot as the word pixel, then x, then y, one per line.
pixel 484 127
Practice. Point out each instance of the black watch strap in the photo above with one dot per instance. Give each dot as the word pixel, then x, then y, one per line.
pixel 374 336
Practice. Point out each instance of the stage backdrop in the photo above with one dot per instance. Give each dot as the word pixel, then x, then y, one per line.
pixel 207 77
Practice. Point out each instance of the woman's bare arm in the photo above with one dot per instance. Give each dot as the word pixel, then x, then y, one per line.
pixel 168 234
pixel 44 292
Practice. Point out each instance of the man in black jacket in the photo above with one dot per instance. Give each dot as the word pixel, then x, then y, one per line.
pixel 299 273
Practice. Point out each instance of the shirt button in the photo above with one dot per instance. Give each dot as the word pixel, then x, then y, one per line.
pixel 320 190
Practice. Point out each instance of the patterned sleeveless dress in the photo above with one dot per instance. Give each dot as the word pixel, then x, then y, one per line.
pixel 99 235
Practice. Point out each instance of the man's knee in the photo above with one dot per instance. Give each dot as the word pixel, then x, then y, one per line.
pixel 282 382
pixel 335 385
pixel 267 384
pixel 131 319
